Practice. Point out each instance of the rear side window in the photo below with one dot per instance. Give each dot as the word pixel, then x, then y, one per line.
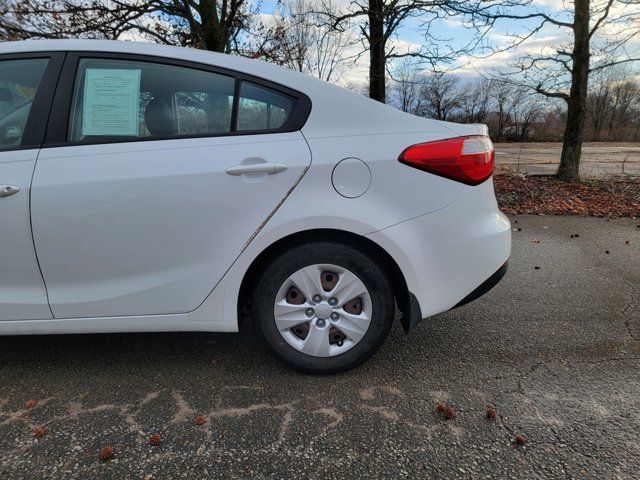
pixel 19 82
pixel 122 99
pixel 262 108
pixel 125 99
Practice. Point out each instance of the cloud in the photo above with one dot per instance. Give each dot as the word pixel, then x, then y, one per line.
pixel 554 4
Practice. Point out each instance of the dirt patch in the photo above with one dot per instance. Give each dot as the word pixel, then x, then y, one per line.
pixel 543 195
pixel 600 160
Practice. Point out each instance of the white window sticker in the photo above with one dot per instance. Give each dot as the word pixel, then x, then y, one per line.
pixel 13 131
pixel 111 101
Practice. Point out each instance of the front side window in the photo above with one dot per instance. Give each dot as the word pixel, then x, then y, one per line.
pixel 19 82
pixel 122 99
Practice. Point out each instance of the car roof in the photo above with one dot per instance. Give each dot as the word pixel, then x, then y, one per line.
pixel 335 111
pixel 254 67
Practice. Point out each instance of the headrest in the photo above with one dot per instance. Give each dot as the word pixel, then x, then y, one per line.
pixel 159 119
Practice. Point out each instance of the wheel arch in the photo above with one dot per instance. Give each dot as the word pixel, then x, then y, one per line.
pixel 400 289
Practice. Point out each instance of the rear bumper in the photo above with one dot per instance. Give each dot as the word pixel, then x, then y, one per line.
pixel 452 255
pixel 487 285
pixel 413 315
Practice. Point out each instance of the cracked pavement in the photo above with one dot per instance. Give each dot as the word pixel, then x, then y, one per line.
pixel 555 350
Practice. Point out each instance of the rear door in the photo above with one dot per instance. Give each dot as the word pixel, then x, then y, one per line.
pixel 155 176
pixel 27 82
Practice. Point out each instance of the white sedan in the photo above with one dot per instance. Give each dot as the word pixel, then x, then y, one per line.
pixel 152 188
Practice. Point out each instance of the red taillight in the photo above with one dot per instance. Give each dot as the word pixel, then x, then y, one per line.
pixel 464 159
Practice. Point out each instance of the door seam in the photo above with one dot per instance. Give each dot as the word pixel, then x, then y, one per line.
pixel 261 226
pixel 33 174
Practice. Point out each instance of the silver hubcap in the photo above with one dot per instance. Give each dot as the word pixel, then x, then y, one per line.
pixel 323 310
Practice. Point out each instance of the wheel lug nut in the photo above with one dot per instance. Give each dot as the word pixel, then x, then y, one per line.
pixel 317 298
pixel 333 301
pixel 309 312
pixel 335 315
pixel 320 322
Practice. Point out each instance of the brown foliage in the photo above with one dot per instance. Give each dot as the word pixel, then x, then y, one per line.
pixel 541 195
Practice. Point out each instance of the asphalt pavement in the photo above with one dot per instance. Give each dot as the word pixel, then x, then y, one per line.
pixel 555 349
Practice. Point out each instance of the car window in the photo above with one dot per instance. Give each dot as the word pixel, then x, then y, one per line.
pixel 19 82
pixel 129 99
pixel 261 108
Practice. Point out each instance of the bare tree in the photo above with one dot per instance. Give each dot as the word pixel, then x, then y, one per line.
pixel 625 98
pixel 407 81
pixel 501 95
pixel 380 20
pixel 526 109
pixel 440 96
pixel 597 33
pixel 475 101
pixel 599 103
pixel 300 39
pixel 207 24
pixel 22 19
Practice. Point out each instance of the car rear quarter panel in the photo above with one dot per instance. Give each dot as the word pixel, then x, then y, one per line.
pixel 397 194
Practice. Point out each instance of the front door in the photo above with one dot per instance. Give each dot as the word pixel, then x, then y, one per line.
pixel 166 173
pixel 26 88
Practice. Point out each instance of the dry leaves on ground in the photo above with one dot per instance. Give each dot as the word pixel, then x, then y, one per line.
pixel 543 195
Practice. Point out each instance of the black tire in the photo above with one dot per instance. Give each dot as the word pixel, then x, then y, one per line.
pixel 368 268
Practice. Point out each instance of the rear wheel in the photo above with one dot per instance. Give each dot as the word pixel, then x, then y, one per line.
pixel 323 307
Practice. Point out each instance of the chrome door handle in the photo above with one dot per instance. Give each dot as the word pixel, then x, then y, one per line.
pixel 8 190
pixel 270 168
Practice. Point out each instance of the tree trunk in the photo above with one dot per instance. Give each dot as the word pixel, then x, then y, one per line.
pixel 377 54
pixel 569 170
pixel 214 37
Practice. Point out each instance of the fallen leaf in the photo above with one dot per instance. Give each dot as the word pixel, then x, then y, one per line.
pixel 30 404
pixel 39 432
pixel 490 412
pixel 106 453
pixel 200 420
pixel 520 440
pixel 154 439
pixel 449 412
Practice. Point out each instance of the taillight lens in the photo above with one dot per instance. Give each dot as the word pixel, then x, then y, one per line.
pixel 465 159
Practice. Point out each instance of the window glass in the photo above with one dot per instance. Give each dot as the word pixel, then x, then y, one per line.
pixel 127 99
pixel 19 81
pixel 261 108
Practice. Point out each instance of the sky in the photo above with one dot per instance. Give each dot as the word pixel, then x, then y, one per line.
pixel 455 35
